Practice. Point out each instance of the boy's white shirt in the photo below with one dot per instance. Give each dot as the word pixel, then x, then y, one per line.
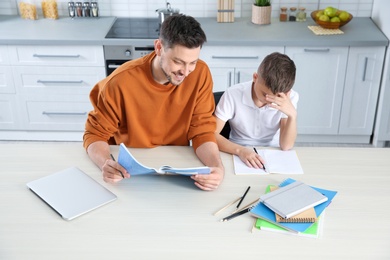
pixel 250 125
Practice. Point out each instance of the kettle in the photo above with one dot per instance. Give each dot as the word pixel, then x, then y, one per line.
pixel 166 12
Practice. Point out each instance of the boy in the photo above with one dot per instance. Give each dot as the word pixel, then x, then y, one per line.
pixel 261 112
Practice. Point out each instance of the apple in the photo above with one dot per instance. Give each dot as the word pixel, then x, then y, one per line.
pixel 344 16
pixel 330 11
pixel 319 13
pixel 335 19
pixel 324 18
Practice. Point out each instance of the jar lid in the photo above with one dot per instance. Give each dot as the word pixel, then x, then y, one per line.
pixel 283 8
pixel 302 8
pixel 293 8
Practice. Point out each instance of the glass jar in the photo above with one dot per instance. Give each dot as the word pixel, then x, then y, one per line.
pixel 301 15
pixel 49 9
pixel 283 14
pixel 79 9
pixel 86 9
pixel 293 14
pixel 71 10
pixel 94 9
pixel 27 10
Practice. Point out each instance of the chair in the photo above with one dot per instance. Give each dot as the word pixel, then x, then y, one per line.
pixel 226 129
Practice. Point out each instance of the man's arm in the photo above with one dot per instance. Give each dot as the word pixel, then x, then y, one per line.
pixel 99 152
pixel 208 154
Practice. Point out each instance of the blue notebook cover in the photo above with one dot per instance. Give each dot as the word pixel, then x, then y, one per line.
pixel 127 160
pixel 263 212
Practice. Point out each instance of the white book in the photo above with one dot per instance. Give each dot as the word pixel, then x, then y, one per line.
pixel 292 199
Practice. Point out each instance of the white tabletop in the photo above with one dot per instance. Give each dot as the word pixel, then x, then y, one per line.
pixel 167 217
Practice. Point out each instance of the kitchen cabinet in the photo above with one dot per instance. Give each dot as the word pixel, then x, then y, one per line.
pixel 361 90
pixel 229 66
pixel 51 91
pixel 319 82
pixel 338 90
pixel 6 81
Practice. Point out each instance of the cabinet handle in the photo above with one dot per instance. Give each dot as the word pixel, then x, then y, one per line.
pixel 238 77
pixel 236 57
pixel 317 50
pixel 59 81
pixel 229 79
pixel 64 113
pixel 55 56
pixel 113 66
pixel 365 68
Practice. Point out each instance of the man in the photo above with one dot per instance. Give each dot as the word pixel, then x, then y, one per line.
pixel 164 98
pixel 261 112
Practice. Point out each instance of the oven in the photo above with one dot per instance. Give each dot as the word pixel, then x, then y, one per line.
pixel 143 32
pixel 115 55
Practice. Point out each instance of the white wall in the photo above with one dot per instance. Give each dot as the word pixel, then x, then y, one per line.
pixel 197 8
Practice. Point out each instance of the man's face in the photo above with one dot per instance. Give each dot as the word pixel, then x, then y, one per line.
pixel 178 62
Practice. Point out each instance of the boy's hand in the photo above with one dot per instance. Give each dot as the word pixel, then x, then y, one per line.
pixel 282 102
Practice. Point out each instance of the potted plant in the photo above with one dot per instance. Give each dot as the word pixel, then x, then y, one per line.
pixel 261 12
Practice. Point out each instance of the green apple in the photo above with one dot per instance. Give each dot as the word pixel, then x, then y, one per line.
pixel 335 19
pixel 330 11
pixel 324 18
pixel 319 13
pixel 344 16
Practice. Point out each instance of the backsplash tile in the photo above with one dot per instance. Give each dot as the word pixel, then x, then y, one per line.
pixel 199 8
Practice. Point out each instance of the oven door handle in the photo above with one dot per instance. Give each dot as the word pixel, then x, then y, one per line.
pixel 113 66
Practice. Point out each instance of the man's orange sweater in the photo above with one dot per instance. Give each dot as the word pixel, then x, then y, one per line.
pixel 130 107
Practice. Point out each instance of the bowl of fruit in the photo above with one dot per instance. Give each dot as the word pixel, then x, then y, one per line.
pixel 331 18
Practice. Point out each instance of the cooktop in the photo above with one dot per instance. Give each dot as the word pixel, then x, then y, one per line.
pixel 134 28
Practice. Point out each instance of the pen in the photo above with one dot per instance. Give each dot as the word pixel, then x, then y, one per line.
pixel 243 197
pixel 112 157
pixel 254 148
pixel 246 210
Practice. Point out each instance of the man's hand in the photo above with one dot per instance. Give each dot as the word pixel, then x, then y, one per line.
pixel 209 181
pixel 113 172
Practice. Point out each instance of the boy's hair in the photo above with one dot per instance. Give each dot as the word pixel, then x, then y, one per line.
pixel 182 30
pixel 278 72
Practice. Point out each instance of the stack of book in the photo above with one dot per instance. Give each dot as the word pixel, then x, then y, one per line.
pixel 293 208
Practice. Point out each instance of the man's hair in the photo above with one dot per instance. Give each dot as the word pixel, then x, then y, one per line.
pixel 182 30
pixel 278 72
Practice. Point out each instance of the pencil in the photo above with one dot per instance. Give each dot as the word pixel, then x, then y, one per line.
pixel 228 205
pixel 254 148
pixel 236 214
pixel 243 197
pixel 112 157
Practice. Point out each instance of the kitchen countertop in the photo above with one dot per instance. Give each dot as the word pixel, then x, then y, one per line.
pixel 361 31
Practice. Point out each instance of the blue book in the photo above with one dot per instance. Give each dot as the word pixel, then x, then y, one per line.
pixel 127 160
pixel 263 212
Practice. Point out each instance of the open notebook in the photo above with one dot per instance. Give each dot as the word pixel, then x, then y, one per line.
pixel 276 161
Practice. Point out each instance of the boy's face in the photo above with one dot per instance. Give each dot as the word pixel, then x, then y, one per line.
pixel 260 89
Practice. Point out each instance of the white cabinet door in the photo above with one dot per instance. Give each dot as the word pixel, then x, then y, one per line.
pixel 9 113
pixel 320 83
pixel 230 65
pixel 361 90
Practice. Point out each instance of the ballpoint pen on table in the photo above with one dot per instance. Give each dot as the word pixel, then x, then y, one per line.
pixel 254 148
pixel 112 157
pixel 243 197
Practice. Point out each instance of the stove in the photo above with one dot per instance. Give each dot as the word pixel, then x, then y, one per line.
pixel 134 28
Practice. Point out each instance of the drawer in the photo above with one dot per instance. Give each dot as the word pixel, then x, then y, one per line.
pixel 57 55
pixel 56 80
pixel 59 113
pixel 9 113
pixel 232 56
pixel 4 58
pixel 6 80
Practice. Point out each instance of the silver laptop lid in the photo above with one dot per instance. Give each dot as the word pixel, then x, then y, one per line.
pixel 71 192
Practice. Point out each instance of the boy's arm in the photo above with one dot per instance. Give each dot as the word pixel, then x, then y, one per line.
pixel 248 156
